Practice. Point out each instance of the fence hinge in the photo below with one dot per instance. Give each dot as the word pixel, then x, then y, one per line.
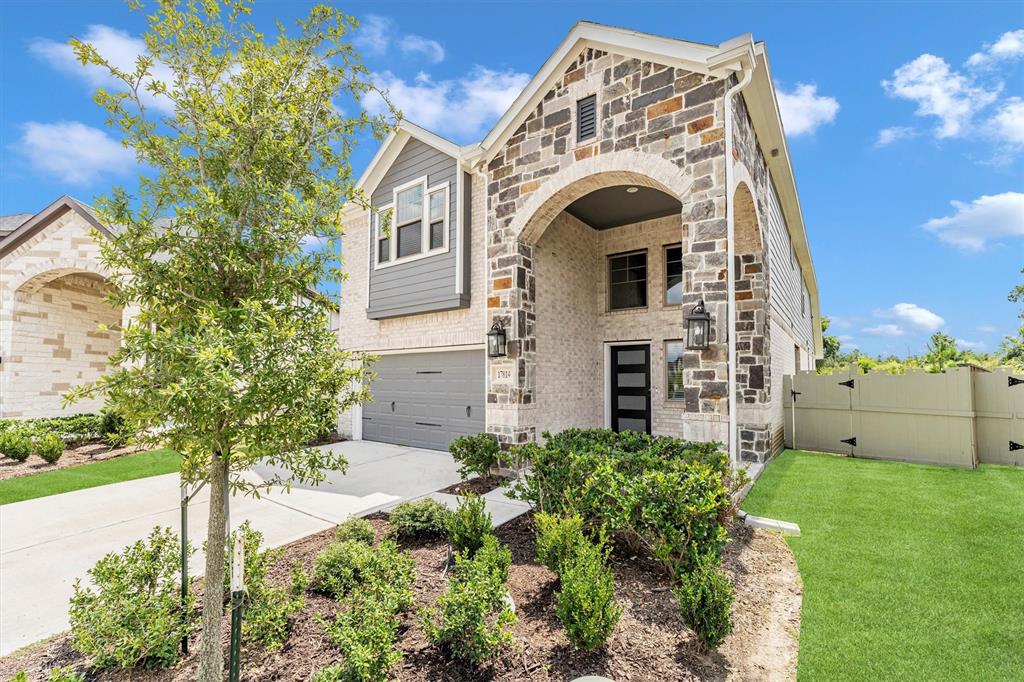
pixel 1014 381
pixel 848 383
pixel 1015 446
pixel 794 394
pixel 850 441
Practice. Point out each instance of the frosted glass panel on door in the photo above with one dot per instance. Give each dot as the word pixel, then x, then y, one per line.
pixel 637 380
pixel 632 357
pixel 632 402
pixel 632 425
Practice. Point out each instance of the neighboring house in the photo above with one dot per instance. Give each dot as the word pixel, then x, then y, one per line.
pixel 52 291
pixel 635 176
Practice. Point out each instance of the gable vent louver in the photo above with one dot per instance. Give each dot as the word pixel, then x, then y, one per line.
pixel 586 118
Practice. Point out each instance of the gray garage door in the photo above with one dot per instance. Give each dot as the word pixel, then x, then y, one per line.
pixel 426 399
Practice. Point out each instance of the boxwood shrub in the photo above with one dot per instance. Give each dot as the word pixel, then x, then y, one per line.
pixel 705 596
pixel 469 524
pixel 420 518
pixel 49 447
pixel 477 454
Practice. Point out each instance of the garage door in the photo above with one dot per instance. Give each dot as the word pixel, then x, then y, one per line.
pixel 426 399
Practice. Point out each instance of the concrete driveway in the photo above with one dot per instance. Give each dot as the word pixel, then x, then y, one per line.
pixel 45 544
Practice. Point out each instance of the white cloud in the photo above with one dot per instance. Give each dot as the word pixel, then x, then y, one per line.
pixel 461 108
pixel 885 330
pixel 804 110
pixel 1009 46
pixel 971 345
pixel 847 341
pixel 73 152
pixel 1008 121
pixel 374 34
pixel 940 91
pixel 118 47
pixel 987 328
pixel 431 49
pixel 887 136
pixel 988 218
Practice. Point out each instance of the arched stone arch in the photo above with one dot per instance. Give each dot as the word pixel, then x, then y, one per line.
pixel 39 275
pixel 582 177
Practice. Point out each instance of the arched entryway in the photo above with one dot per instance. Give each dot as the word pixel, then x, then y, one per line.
pixel 56 340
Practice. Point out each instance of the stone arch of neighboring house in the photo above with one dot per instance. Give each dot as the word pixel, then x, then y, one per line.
pixel 54 337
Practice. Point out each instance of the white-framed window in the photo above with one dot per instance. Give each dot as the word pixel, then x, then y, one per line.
pixel 674 351
pixel 419 223
pixel 382 240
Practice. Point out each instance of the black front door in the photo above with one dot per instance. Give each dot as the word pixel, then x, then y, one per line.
pixel 631 388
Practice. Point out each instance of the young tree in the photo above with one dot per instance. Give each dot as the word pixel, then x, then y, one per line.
pixel 941 352
pixel 230 359
pixel 1013 346
pixel 830 344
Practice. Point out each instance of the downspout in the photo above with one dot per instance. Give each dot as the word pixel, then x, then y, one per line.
pixel 747 71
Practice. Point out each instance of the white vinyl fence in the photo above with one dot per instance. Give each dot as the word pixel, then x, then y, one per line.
pixel 957 418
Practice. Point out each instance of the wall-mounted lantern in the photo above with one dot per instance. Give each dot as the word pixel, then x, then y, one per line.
pixel 698 328
pixel 496 342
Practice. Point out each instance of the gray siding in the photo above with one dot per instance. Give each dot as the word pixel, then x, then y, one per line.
pixel 427 284
pixel 785 278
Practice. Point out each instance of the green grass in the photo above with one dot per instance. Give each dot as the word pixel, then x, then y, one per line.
pixel 126 468
pixel 911 572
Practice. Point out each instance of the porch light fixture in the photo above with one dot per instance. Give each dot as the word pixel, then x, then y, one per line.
pixel 632 190
pixel 496 342
pixel 698 328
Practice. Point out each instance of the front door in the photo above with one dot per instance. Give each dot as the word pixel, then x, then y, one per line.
pixel 631 388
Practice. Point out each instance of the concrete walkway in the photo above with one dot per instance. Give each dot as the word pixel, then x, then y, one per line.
pixel 46 543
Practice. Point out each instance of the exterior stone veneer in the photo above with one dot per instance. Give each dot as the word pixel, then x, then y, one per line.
pixel 660 127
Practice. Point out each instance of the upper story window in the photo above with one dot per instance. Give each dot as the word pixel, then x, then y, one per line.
pixel 674 274
pixel 586 118
pixel 383 241
pixel 419 223
pixel 627 280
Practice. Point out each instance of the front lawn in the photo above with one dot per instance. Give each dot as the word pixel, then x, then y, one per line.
pixel 124 468
pixel 910 571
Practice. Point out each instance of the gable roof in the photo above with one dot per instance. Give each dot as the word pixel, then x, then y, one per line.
pixel 393 145
pixel 45 217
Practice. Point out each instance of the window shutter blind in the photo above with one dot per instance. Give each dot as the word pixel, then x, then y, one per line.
pixel 586 118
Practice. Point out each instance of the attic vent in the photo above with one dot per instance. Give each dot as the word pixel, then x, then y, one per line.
pixel 586 118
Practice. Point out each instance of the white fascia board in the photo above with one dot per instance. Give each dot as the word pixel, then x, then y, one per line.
pixel 767 119
pixel 691 56
pixel 393 145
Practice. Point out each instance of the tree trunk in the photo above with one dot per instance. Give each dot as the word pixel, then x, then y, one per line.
pixel 211 653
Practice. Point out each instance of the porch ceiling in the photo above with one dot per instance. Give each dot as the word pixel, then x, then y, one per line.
pixel 614 206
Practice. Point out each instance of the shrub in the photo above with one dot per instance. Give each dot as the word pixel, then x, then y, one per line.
pixel 20 676
pixel 389 574
pixel 704 596
pixel 357 529
pixel 424 517
pixel 64 675
pixel 477 454
pixel 471 620
pixel 49 446
pixel 113 429
pixel 270 612
pixel 558 539
pixel 339 567
pixel 15 444
pixel 132 615
pixel 469 525
pixel 586 603
pixel 366 634
pixel 665 496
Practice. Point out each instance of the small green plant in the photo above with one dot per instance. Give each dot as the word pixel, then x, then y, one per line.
pixel 339 567
pixel 471 620
pixel 20 676
pixel 67 674
pixel 270 611
pixel 365 633
pixel 469 525
pixel 15 445
pixel 420 518
pixel 558 539
pixel 131 614
pixel 704 596
pixel 357 529
pixel 113 429
pixel 49 446
pixel 389 574
pixel 477 454
pixel 586 603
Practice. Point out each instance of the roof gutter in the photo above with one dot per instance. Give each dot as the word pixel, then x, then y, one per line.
pixel 746 73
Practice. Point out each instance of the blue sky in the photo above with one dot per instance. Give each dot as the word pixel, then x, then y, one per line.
pixel 905 125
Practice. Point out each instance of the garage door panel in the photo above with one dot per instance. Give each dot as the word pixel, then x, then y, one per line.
pixel 421 399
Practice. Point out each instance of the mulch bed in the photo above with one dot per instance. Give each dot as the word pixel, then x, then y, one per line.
pixel 72 457
pixel 650 642
pixel 330 438
pixel 480 485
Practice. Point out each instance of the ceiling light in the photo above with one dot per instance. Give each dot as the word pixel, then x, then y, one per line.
pixel 632 190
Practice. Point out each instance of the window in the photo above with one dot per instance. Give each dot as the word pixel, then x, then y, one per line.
pixel 627 277
pixel 419 223
pixel 674 274
pixel 674 370
pixel 796 358
pixel 437 221
pixel 380 221
pixel 586 118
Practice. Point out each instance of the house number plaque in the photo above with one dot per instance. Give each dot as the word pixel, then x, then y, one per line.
pixel 501 375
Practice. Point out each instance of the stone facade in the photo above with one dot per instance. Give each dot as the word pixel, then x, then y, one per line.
pixel 659 126
pixel 51 305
